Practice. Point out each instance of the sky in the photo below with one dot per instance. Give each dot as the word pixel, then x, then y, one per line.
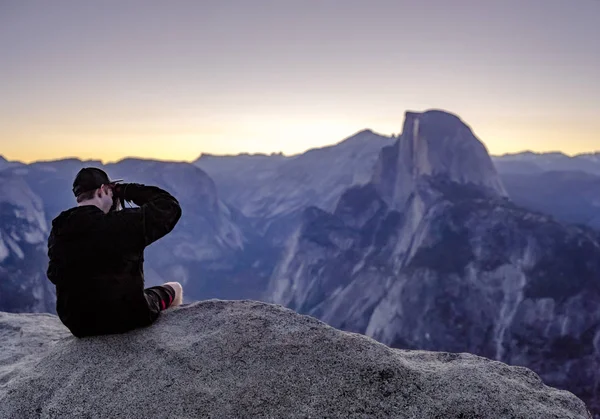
pixel 172 79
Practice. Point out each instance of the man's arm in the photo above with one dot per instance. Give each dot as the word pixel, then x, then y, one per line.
pixel 157 215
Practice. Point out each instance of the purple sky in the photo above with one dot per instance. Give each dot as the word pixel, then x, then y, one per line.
pixel 171 79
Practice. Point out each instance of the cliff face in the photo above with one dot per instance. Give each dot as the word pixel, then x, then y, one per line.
pixel 226 359
pixel 434 144
pixel 432 255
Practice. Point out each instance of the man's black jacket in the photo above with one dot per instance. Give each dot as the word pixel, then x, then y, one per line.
pixel 96 261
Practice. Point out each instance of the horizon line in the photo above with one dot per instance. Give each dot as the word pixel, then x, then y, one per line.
pixel 250 154
pixel 393 136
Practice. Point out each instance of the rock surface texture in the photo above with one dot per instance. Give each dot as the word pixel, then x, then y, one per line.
pixel 228 359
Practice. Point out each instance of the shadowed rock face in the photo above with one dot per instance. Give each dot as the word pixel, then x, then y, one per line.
pixel 434 256
pixel 249 359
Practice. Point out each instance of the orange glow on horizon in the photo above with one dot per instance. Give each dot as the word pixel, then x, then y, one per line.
pixel 288 138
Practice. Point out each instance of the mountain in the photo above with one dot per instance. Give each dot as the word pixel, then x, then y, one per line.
pixel 213 250
pixel 554 183
pixel 23 261
pixel 273 190
pixel 432 255
pixel 226 359
pixel 52 182
pixel 530 162
pixel 5 164
pixel 434 144
pixel 231 173
pixel 569 196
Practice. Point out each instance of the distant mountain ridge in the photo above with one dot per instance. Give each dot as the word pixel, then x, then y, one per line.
pixel 530 162
pixel 592 155
pixel 566 187
pixel 272 191
pixel 239 177
pixel 5 164
pixel 569 196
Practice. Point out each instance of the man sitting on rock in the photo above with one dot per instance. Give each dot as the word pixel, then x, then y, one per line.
pixel 96 252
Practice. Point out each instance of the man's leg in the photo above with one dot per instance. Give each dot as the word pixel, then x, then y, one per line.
pixel 162 297
pixel 178 300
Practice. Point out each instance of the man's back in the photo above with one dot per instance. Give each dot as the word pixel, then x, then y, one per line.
pixel 96 261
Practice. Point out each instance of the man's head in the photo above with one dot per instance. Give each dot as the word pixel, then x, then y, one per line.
pixel 93 187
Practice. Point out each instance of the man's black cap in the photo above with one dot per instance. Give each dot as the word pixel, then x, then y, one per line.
pixel 90 178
